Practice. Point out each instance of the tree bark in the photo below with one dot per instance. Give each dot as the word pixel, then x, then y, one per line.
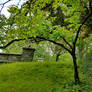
pixel 76 74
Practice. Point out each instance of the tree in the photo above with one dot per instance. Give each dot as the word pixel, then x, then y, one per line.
pixel 39 21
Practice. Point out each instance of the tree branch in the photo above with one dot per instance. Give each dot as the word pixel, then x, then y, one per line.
pixel 67 42
pixel 72 14
pixel 3 5
pixel 5 2
pixel 62 45
pixel 90 5
pixel 42 39
pixel 77 35
pixel 90 14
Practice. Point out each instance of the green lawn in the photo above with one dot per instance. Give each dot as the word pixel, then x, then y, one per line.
pixel 37 77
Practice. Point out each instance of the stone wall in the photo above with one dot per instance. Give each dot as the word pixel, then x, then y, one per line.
pixel 27 55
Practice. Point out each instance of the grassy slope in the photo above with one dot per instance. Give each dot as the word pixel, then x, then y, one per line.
pixel 36 77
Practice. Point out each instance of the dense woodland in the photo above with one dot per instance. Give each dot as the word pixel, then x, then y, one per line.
pixel 59 30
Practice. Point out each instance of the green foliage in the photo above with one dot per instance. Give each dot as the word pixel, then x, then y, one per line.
pixel 60 19
pixel 36 23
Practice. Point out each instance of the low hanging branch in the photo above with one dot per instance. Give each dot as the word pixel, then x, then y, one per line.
pixel 41 38
pixel 62 45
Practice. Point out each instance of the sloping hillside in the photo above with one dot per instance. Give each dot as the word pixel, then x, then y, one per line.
pixel 36 77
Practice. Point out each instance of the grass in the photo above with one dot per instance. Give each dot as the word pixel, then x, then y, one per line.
pixel 37 77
